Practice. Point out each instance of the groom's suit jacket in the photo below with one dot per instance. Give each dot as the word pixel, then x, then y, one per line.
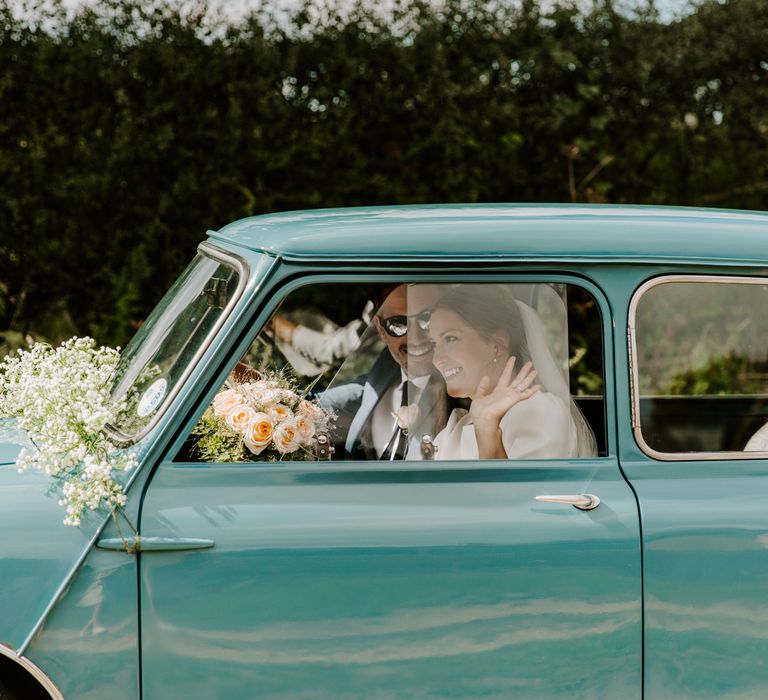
pixel 355 401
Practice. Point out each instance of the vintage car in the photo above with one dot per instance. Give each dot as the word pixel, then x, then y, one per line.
pixel 633 564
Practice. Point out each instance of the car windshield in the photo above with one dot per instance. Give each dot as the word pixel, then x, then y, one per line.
pixel 167 345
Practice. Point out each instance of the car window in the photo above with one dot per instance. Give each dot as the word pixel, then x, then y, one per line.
pixel 163 351
pixel 701 366
pixel 415 371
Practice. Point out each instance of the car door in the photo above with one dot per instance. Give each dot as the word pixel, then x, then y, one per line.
pixel 363 578
pixel 699 468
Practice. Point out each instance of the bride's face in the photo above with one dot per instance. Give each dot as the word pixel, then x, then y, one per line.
pixel 461 354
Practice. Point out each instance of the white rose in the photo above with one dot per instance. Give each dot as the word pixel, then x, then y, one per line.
pixel 225 401
pixel 240 417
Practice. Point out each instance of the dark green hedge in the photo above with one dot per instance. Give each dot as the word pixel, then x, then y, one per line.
pixel 126 132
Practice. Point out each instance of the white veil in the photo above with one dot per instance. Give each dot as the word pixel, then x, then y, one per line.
pixel 535 316
pixel 553 377
pixel 539 317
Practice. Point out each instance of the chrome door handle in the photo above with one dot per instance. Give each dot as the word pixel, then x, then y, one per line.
pixel 582 501
pixel 154 544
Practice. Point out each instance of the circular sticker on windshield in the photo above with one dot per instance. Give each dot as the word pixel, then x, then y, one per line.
pixel 152 397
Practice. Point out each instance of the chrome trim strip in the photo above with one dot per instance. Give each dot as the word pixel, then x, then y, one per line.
pixel 243 269
pixel 634 381
pixel 34 670
pixel 506 259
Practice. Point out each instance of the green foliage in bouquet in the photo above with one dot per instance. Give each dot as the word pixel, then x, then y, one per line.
pixel 217 442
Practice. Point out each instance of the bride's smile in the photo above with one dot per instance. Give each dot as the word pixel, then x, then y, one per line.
pixel 461 354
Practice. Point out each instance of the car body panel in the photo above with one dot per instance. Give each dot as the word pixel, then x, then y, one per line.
pixel 394 564
pixel 512 232
pixel 704 573
pixel 705 536
pixel 37 552
pixel 330 582
pixel 89 645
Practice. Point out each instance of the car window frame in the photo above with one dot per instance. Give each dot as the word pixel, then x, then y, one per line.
pixel 298 276
pixel 243 269
pixel 634 376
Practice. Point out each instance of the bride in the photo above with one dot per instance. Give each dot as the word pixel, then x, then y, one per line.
pixel 481 335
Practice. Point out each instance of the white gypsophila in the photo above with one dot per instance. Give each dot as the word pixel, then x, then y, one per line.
pixel 61 398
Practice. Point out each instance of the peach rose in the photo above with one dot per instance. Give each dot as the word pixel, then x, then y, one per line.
pixel 225 401
pixel 259 433
pixel 279 412
pixel 305 426
pixel 286 437
pixel 240 417
pixel 310 410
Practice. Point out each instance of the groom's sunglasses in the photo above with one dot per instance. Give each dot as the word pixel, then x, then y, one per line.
pixel 397 326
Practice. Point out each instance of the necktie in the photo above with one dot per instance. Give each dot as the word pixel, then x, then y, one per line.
pixel 398 443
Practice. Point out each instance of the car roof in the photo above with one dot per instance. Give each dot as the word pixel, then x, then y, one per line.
pixel 507 232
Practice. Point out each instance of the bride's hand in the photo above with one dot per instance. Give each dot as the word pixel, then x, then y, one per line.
pixel 490 404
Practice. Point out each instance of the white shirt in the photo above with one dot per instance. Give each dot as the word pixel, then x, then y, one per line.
pixel 383 418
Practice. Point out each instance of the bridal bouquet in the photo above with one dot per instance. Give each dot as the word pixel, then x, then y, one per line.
pixel 61 398
pixel 266 419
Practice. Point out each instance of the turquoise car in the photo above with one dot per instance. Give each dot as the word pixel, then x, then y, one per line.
pixel 616 547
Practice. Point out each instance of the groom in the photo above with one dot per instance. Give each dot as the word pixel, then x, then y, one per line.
pixel 401 381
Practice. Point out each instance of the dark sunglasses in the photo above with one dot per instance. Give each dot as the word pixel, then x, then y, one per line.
pixel 397 326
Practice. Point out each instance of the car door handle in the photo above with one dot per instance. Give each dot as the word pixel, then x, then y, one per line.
pixel 582 501
pixel 154 544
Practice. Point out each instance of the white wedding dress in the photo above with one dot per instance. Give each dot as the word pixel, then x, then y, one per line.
pixel 759 441
pixel 537 428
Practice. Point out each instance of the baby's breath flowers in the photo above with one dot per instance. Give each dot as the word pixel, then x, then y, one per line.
pixel 61 398
pixel 265 419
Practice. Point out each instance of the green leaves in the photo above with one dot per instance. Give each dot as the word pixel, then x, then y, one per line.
pixel 130 128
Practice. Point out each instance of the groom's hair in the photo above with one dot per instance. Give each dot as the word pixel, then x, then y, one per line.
pixel 382 292
pixel 489 308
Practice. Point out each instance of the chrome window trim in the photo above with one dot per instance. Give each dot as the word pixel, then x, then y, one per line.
pixel 34 671
pixel 634 374
pixel 402 275
pixel 242 267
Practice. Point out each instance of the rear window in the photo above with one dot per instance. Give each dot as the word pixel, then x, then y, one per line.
pixel 700 367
